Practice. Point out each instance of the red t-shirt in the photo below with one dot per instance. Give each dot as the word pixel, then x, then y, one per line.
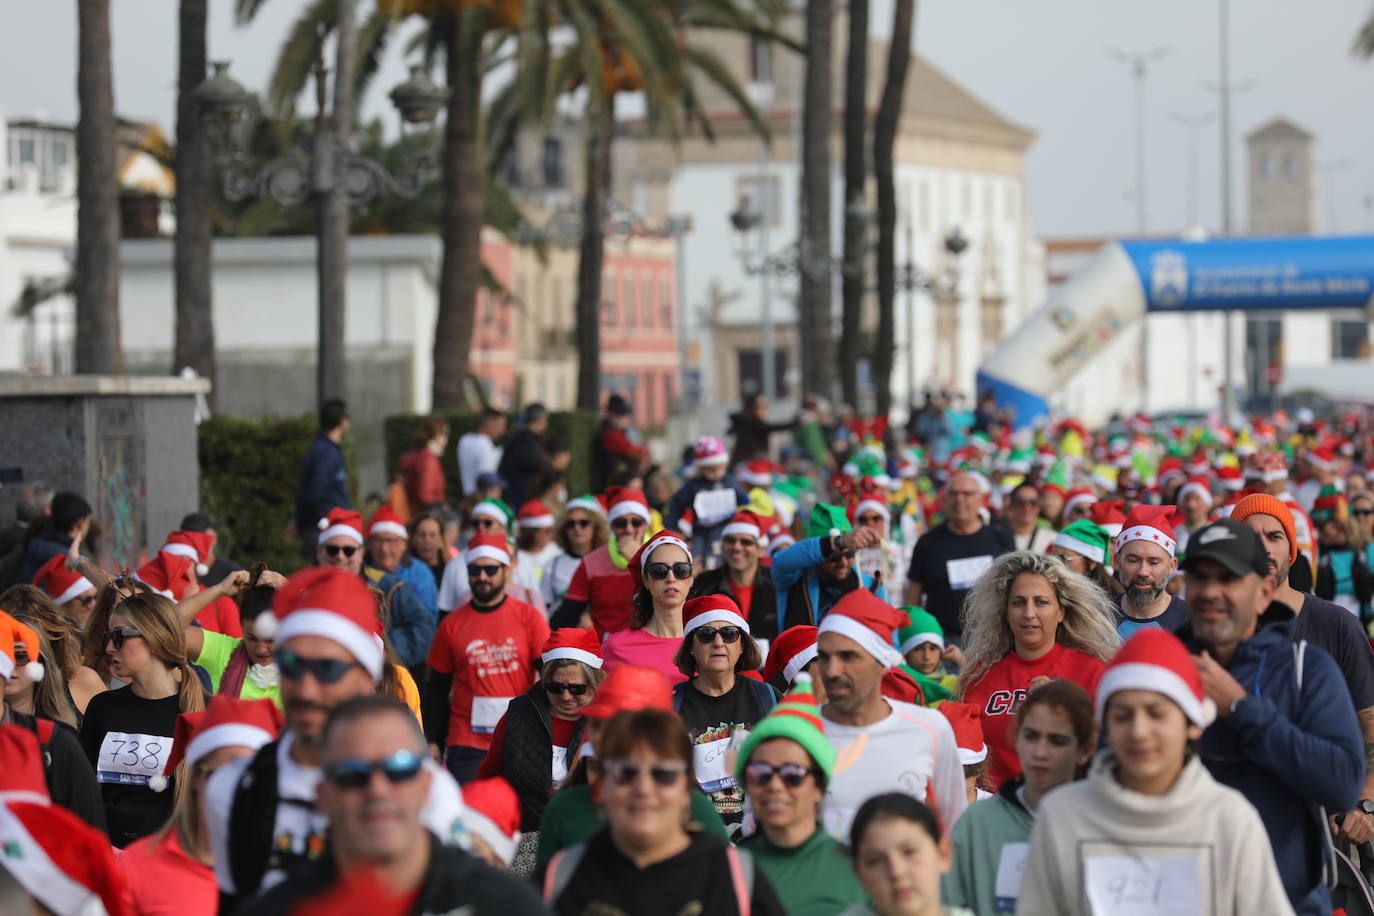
pixel 606 588
pixel 744 597
pixel 491 655
pixel 222 616
pixel 999 692
pixel 162 880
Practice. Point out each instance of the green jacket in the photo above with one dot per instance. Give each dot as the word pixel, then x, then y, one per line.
pixel 979 836
pixel 572 817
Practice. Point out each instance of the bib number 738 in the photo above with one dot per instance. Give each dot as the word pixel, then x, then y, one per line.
pixel 131 759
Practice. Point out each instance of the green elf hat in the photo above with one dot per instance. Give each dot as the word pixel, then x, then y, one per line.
pixel 497 510
pixel 1330 506
pixel 1086 538
pixel 588 502
pixel 826 520
pixel 796 717
pixel 924 628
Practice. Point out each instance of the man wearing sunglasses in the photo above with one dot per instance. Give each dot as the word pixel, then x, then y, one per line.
pixel 601 590
pixel 261 810
pixel 743 577
pixel 812 575
pixel 483 656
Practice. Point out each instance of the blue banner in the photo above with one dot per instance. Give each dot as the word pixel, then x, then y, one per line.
pixel 1255 273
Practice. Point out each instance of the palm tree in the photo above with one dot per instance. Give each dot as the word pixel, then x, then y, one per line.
pixel 884 137
pixel 814 300
pixel 194 342
pixel 855 179
pixel 98 348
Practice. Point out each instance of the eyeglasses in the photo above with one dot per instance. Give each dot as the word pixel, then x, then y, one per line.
pixel 335 549
pixel 965 494
pixel 665 774
pixel 558 689
pixel 487 523
pixel 728 634
pixel 1025 502
pixel 479 570
pixel 578 523
pixel 841 555
pixel 735 540
pixel 325 670
pixel 118 635
pixel 1362 512
pixel 402 766
pixel 628 521
pixel 661 570
pixel 791 774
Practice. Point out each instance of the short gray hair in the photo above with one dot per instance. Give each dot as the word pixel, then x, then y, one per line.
pixel 32 501
pixel 370 706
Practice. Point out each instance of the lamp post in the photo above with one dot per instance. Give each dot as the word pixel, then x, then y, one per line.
pixel 325 167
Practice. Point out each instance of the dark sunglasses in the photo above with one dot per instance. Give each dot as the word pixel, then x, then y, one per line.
pixel 1362 512
pixel 486 523
pixel 840 555
pixel 628 521
pixel 735 540
pixel 728 634
pixel 117 636
pixel 325 670
pixel 626 772
pixel 402 766
pixel 1025 502
pixel 334 550
pixel 578 523
pixel 661 570
pixel 557 689
pixel 791 774
pixel 478 570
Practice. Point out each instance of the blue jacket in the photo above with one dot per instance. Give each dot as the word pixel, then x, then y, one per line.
pixel 412 625
pixel 45 545
pixel 324 483
pixel 1289 750
pixel 416 574
pixel 797 564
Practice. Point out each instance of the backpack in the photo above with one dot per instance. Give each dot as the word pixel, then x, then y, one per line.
pixel 564 864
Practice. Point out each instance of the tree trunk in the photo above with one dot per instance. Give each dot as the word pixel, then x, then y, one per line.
pixel 98 348
pixel 194 344
pixel 460 276
pixel 816 286
pixel 600 129
pixel 331 149
pixel 884 137
pixel 855 179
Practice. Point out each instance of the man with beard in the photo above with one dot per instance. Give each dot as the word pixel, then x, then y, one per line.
pixel 1323 624
pixel 261 809
pixel 1285 736
pixel 1145 562
pixel 483 656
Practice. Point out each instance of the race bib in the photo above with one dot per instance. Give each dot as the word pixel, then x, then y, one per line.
pixel 131 759
pixel 709 764
pixel 963 573
pixel 486 712
pixel 712 507
pixel 837 820
pixel 1131 886
pixel 560 766
pixel 1011 869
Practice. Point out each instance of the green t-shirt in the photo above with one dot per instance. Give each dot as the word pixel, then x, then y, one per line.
pixel 214 658
pixel 572 818
pixel 813 879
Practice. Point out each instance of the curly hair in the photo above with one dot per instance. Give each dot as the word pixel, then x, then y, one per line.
pixel 1088 618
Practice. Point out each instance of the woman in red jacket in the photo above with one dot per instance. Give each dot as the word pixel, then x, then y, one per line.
pixel 421 471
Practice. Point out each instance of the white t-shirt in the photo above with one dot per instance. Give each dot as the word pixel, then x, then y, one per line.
pixel 477 455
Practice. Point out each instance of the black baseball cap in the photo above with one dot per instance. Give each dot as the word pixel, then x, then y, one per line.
pixel 1232 544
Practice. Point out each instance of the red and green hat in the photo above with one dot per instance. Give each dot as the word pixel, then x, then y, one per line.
pixel 797 718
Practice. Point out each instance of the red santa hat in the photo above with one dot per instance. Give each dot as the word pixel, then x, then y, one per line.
pixel 746 524
pixel 967 721
pixel 758 473
pixel 792 650
pixel 709 451
pixel 226 722
pixel 193 545
pixel 492 812
pixel 623 501
pixel 534 514
pixel 21 766
pixel 1199 485
pixel 709 609
pixel 167 574
pixel 1172 466
pixel 871 499
pixel 63 862
pixel 1323 458
pixel 1108 514
pixel 1232 479
pixel 640 560
pixel 488 547
pixel 869 621
pixel 1198 464
pixel 1273 467
pixel 1078 496
pixel 61 584
pixel 12 633
pixel 574 643
pixel 327 602
pixel 387 521
pixel 1154 659
pixel 342 522
pixel 1151 524
pixel 780 541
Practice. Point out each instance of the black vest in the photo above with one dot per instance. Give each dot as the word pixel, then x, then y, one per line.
pixel 527 753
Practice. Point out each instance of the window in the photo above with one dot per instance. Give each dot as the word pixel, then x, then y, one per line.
pixel 26 151
pixel 1290 166
pixel 59 153
pixel 1266 166
pixel 760 61
pixel 646 300
pixel 631 303
pixel 511 168
pixel 1349 338
pixel 665 304
pixel 762 196
pixel 608 298
pixel 551 162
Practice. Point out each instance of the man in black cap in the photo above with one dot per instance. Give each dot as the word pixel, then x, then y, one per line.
pixel 1285 736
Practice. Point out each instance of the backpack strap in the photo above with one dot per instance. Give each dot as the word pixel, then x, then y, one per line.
pixel 767 697
pixel 677 695
pixel 741 877
pixel 560 871
pixel 43 730
pixel 252 821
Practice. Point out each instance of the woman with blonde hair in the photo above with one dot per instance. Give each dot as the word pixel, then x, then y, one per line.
pixel 128 733
pixel 64 698
pixel 93 654
pixel 1027 621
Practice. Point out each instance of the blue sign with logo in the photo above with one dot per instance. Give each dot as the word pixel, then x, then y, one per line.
pixel 1255 273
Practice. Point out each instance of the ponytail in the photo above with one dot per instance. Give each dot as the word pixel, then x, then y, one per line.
pixel 190 691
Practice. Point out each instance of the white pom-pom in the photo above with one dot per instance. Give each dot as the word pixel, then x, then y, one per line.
pixel 34 671
pixel 265 625
pixel 202 569
pixel 157 783
pixel 324 523
pixel 834 532
pixel 803 679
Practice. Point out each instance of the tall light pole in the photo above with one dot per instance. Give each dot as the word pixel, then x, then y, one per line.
pixel 1192 123
pixel 1138 61
pixel 770 356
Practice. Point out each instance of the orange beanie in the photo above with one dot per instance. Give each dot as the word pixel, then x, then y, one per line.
pixel 1264 504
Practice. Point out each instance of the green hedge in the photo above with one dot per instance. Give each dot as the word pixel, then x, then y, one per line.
pixel 249 471
pixel 577 427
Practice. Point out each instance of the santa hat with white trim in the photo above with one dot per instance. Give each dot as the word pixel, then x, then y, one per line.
pixel 622 501
pixel 868 620
pixel 493 813
pixel 1155 659
pixel 386 521
pixel 488 547
pixel 342 522
pixel 792 650
pixel 1151 524
pixel 640 561
pixel 226 722
pixel 327 602
pixel 534 514
pixel 573 643
pixel 21 766
pixel 1199 485
pixel 759 473
pixel 1323 458
pixel 746 524
pixel 194 545
pixel 1232 478
pixel 711 608
pixel 167 574
pixel 871 499
pixel 63 862
pixel 966 721
pixel 1077 496
pixel 61 584
pixel 1108 514
pixel 12 632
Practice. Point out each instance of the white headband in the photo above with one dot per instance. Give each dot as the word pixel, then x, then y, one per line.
pixel 1091 551
pixel 585 502
pixel 798 662
pixel 1143 676
pixel 629 507
pixel 868 640
pixel 78 587
pixel 228 734
pixel 536 521
pixel 577 655
pixel 334 531
pixel 875 506
pixel 395 528
pixel 1199 489
pixel 487 552
pixel 487 510
pixel 744 528
pixel 916 639
pixel 706 617
pixel 180 550
pixel 658 542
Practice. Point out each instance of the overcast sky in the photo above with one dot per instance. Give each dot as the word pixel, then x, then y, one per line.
pixel 1042 63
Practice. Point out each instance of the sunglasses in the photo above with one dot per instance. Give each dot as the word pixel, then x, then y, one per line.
pixel 629 521
pixel 728 634
pixel 324 670
pixel 1025 502
pixel 558 689
pixel 665 774
pixel 478 570
pixel 842 555
pixel 117 636
pixel 660 570
pixel 402 766
pixel 791 774
pixel 334 550
pixel 578 523
pixel 737 541
pixel 486 523
pixel 88 601
pixel 1362 512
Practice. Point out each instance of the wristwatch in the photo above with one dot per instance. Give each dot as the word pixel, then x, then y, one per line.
pixel 1366 806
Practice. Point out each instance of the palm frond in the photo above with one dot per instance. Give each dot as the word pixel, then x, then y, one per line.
pixel 707 63
pixel 246 10
pixel 38 291
pixel 296 61
pixel 371 44
pixel 1363 46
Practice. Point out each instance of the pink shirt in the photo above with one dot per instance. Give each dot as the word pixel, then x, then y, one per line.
pixel 164 881
pixel 639 647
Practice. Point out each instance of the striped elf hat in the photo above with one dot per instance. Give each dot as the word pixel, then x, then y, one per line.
pixel 798 718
